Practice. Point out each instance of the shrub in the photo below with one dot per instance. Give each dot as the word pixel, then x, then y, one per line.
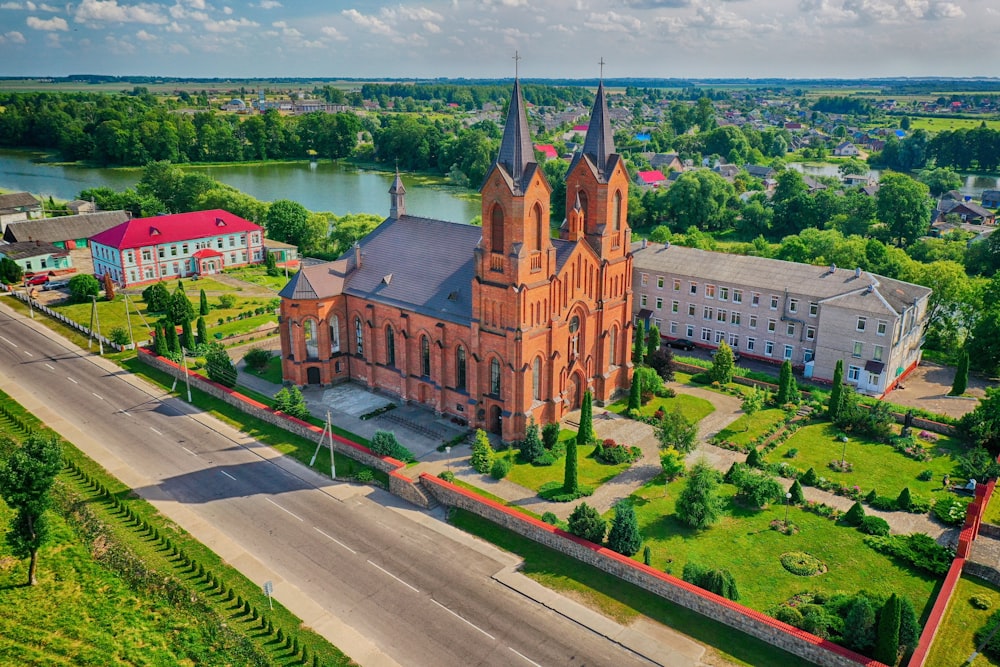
pixel 118 336
pixel 904 500
pixel 720 581
pixel 699 504
pixel 550 435
pixel 550 519
pixel 883 503
pixel 447 476
pixel 859 624
pixel 531 446
pixel 792 453
pixel 612 453
pixel 874 525
pixel 789 615
pixel 950 510
pixel 809 478
pixel 257 358
pixel 82 287
pixel 365 476
pixel 802 564
pixel 384 443
pixel 754 458
pixel 981 601
pixel 798 497
pixel 672 463
pixel 624 536
pixel 989 631
pixel 872 495
pixel 587 522
pixel 227 301
pixel 545 459
pixel 917 549
pixel 855 515
pixel 926 475
pixel 220 367
pixel 482 453
pixel 291 402
pixel 500 468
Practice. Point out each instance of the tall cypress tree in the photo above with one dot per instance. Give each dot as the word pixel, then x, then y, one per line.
pixel 203 304
pixel 837 391
pixel 624 536
pixel 635 393
pixel 639 346
pixel 961 375
pixel 160 341
pixel 584 436
pixel 887 637
pixel 652 341
pixel 785 381
pixel 202 331
pixel 187 336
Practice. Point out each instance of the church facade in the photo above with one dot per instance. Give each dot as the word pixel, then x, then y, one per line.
pixel 492 325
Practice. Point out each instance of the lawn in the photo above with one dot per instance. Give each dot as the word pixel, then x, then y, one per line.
pixel 743 543
pixel 257 275
pixel 955 638
pixel 592 472
pixel 876 465
pixel 692 407
pixel 740 433
pixel 271 372
pixel 992 514
pixel 935 125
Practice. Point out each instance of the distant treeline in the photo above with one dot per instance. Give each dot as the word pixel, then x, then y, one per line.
pixel 843 105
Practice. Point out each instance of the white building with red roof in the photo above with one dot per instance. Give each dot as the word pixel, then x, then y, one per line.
pixel 147 250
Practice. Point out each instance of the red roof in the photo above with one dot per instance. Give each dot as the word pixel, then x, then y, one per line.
pixel 205 253
pixel 548 150
pixel 651 177
pixel 174 228
pixel 580 128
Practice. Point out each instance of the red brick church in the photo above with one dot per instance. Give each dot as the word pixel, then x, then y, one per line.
pixel 490 324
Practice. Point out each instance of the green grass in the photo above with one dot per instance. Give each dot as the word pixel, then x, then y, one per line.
pixel 875 465
pixel 622 601
pixel 739 433
pixel 692 407
pixel 257 275
pixel 935 125
pixel 592 472
pixel 271 372
pixel 955 638
pixel 743 543
pixel 992 514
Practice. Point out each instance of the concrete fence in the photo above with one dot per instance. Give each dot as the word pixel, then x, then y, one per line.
pixel 24 298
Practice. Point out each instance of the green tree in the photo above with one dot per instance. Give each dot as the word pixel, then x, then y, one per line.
pixel 672 463
pixel 531 446
pixel 350 228
pixel 202 331
pixel 904 501
pixel 788 392
pixel 753 402
pixel 10 272
pixel 550 435
pixel 904 206
pixel 587 522
pixel 157 298
pixel 219 366
pixel 202 303
pixel 482 453
pixel 699 505
pixel 286 221
pixel 982 425
pixel 82 287
pixel 723 364
pixel 836 391
pixel 585 435
pixel 109 287
pixel 961 382
pixel 291 401
pixel 639 344
pixel 624 536
pixel 652 341
pixel 855 515
pixel 635 394
pixel 170 337
pixel 26 478
pixel 180 308
pixel 941 180
pixel 859 624
pixel 160 346
pixel 798 497
pixel 187 336
pixel 677 431
pixel 701 198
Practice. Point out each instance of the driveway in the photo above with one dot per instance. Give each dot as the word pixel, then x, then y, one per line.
pixel 928 385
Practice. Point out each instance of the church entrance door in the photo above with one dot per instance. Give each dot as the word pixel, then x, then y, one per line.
pixel 574 393
pixel 312 375
pixel 495 419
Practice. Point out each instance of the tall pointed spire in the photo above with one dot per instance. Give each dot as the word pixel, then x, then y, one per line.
pixel 397 206
pixel 516 150
pixel 600 144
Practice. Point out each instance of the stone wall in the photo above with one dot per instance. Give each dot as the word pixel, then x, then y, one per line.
pixel 754 623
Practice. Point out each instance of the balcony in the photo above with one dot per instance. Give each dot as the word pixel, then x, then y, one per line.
pixel 536 262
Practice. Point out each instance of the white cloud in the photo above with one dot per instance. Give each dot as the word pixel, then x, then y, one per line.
pixel 312 44
pixel 12 37
pixel 371 23
pixel 11 5
pixel 97 11
pixel 227 10
pixel 54 23
pixel 228 25
pixel 145 36
pixel 415 13
pixel 432 28
pixel 333 33
pixel 178 49
pixel 612 22
pixel 53 40
pixel 279 24
pixel 174 27
pixel 269 4
pixel 945 10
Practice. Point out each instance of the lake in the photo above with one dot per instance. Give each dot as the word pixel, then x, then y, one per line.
pixel 319 186
pixel 973 184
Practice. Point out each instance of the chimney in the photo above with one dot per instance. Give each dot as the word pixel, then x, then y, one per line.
pixel 833 268
pixel 644 243
pixel 857 272
pixel 357 255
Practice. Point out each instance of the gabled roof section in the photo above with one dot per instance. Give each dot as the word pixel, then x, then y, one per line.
pixel 516 151
pixel 141 232
pixel 317 281
pixel 599 145
pixel 51 230
pixel 397 186
pixel 18 200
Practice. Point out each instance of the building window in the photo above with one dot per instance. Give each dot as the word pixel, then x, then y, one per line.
pixel 793 305
pixel 359 338
pixel 774 302
pixel 617 213
pixel 734 341
pixel 644 279
pixel 536 379
pixel 753 322
pixel 771 325
pixel 709 291
pixel 334 334
pixel 496 229
pixel 790 329
pixel 309 334
pixel 659 282
pixel 184 249
pixel 613 345
pixel 810 333
pixel 131 257
pixel 574 336
pixel 677 285
pixel 218 243
pixel 675 306
pixel 673 328
pixel 788 352
pixel 390 346
pixel 719 335
pixel 173 251
pixel 659 302
pixel 495 376
pixel 737 296
pixel 813 309
pixel 642 300
pixel 807 356
pixel 877 353
pixel 460 368
pixel 706 335
pixel 769 348
pixel 734 318
pixel 690 331
pixel 881 327
pixel 694 288
pixel 723 294
pixel 754 299
pixel 691 310
pixel 751 344
pixel 707 313
pixel 161 252
pixel 853 373
pixel 858 348
pixel 721 316
pixel 862 322
pixel 425 356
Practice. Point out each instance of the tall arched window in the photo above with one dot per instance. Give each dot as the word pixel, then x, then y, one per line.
pixel 334 334
pixel 583 206
pixel 613 346
pixel 390 346
pixel 309 334
pixel 291 338
pixel 425 356
pixel 496 228
pixel 574 337
pixel 536 379
pixel 359 337
pixel 495 376
pixel 536 218
pixel 460 368
pixel 617 212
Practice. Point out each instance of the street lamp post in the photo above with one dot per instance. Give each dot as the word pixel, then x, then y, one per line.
pixel 788 501
pixel 447 451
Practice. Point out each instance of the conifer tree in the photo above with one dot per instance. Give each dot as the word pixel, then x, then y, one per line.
pixel 635 394
pixel 531 446
pixel 639 346
pixel 652 341
pixel 887 635
pixel 837 391
pixel 160 341
pixel 187 336
pixel 961 375
pixel 786 383
pixel 624 536
pixel 203 303
pixel 202 331
pixel 482 453
pixel 798 497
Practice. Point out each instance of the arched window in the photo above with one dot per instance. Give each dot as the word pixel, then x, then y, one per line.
pixel 617 212
pixel 583 206
pixel 496 228
pixel 390 346
pixel 536 379
pixel 334 334
pixel 460 368
pixel 574 337
pixel 359 337
pixel 613 346
pixel 291 339
pixel 536 218
pixel 425 356
pixel 309 334
pixel 495 376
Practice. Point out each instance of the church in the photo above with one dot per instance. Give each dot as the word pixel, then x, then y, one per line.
pixel 491 325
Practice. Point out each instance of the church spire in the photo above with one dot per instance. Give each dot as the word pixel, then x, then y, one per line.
pixel 599 144
pixel 397 206
pixel 516 150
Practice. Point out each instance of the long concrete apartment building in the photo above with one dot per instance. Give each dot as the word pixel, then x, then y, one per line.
pixel 775 310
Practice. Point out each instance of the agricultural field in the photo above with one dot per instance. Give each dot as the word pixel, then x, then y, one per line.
pixel 935 125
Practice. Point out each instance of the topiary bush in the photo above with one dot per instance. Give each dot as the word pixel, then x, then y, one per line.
pixel 789 615
pixel 809 478
pixel 951 510
pixel 587 522
pixel 500 468
pixel 384 443
pixel 550 519
pixel 447 476
pixel 855 515
pixel 874 525
pixel 802 564
pixel 981 601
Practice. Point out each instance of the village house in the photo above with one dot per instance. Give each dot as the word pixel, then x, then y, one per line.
pixel 991 198
pixel 67 232
pixel 775 310
pixel 37 257
pixel 147 250
pixel 18 206
pixel 845 149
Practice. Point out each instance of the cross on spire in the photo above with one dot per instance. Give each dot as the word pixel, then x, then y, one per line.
pixel 601 63
pixel 517 59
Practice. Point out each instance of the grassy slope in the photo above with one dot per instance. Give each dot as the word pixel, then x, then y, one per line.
pixel 955 638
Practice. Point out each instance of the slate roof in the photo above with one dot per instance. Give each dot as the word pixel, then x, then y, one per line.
pixel 27 249
pixel 160 229
pixel 67 227
pixel 775 275
pixel 417 264
pixel 516 152
pixel 599 144
pixel 15 200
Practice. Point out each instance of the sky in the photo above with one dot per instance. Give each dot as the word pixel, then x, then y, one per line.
pixel 477 38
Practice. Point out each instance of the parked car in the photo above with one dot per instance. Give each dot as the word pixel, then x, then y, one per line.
pixel 55 284
pixel 37 279
pixel 681 344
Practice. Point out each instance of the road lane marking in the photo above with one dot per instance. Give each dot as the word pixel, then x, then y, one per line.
pixel 334 539
pixel 393 576
pixel 9 342
pixel 28 353
pixel 464 620
pixel 50 367
pixel 98 396
pixel 524 657
pixel 188 451
pixel 228 475
pixel 72 380
pixel 283 509
pixel 155 431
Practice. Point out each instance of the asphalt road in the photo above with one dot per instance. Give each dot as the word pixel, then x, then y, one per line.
pixel 400 591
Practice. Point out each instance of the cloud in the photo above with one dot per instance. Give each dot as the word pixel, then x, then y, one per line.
pixel 945 10
pixel 371 23
pixel 228 25
pixel 145 36
pixel 432 28
pixel 269 4
pixel 227 10
pixel 12 37
pixel 657 4
pixel 612 22
pixel 54 23
pixel 333 33
pixel 29 6
pixel 178 49
pixel 11 5
pixel 98 11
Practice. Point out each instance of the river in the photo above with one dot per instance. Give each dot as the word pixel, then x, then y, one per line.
pixel 973 184
pixel 319 186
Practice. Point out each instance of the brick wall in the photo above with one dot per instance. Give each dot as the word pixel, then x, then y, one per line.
pixel 754 623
